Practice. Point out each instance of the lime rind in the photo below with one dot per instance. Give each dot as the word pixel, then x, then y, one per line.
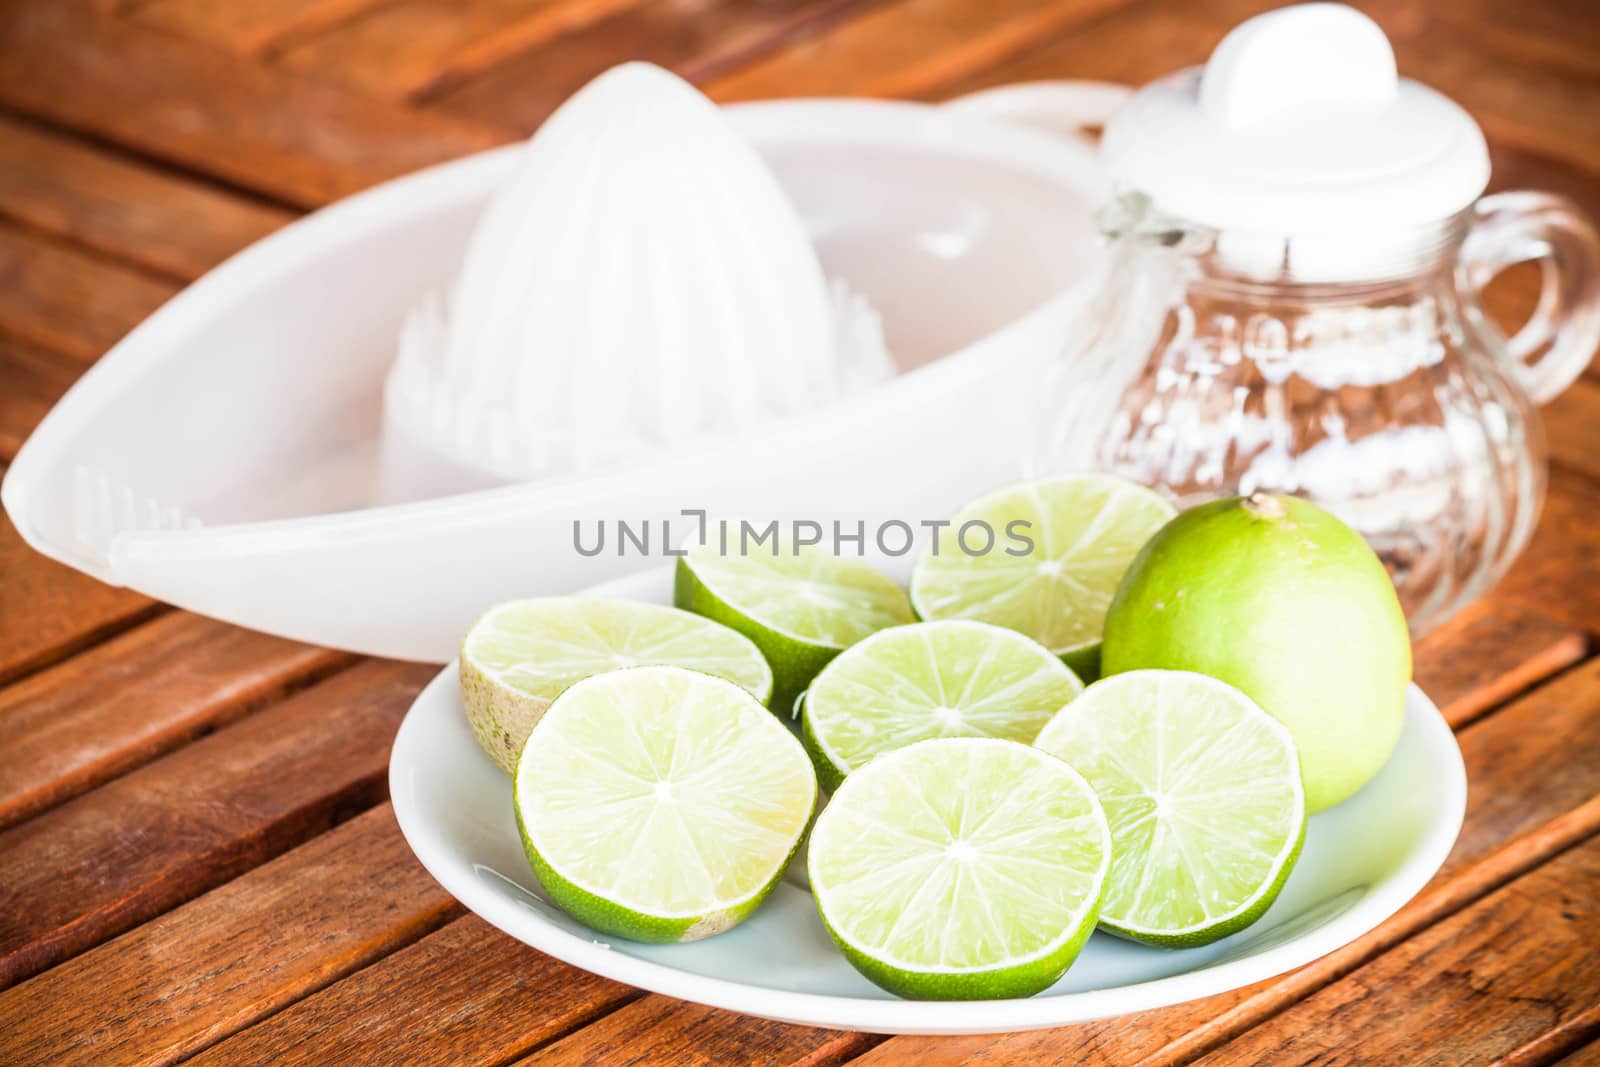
pixel 953 678
pixel 961 868
pixel 521 654
pixel 1202 791
pixel 807 595
pixel 1085 528
pixel 661 804
pixel 720 589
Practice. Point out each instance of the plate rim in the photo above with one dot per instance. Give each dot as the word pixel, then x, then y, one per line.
pixel 934 1017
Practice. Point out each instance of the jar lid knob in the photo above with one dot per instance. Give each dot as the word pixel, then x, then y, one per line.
pixel 1322 58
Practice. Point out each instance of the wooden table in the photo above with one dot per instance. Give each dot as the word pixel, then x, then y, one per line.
pixel 197 860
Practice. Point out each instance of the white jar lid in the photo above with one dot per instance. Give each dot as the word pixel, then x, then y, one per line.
pixel 1298 124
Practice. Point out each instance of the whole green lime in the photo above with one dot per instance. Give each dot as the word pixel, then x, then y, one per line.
pixel 1280 599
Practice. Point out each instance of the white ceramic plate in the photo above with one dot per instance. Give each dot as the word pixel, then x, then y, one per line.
pixel 1361 862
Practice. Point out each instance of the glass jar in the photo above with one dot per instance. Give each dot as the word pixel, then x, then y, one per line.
pixel 1291 302
pixel 1222 362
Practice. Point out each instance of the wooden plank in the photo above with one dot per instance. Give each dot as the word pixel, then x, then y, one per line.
pixel 1572 427
pixel 252 27
pixel 1132 45
pixel 1490 653
pixel 662 1030
pixel 112 858
pixel 235 955
pixel 466 994
pixel 1535 773
pixel 1560 32
pixel 1500 87
pixel 31 380
pixel 122 207
pixel 1484 983
pixel 409 50
pixel 1588 1056
pixel 908 49
pixel 699 42
pixel 1559 572
pixel 1565 1037
pixel 303 141
pixel 80 723
pixel 75 302
pixel 48 612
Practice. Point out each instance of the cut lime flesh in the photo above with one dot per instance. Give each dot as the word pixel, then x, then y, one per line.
pixel 521 654
pixel 1084 529
pixel 961 868
pixel 936 679
pixel 1202 790
pixel 661 804
pixel 800 610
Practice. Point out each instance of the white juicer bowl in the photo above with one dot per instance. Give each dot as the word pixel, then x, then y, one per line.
pixel 224 457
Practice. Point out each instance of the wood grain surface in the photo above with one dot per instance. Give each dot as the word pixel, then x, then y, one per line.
pixel 118 855
pixel 260 128
pixel 1532 939
pixel 699 41
pixel 47 612
pixel 122 207
pixel 198 860
pixel 134 697
pixel 466 993
pixel 258 943
pixel 59 296
pixel 31 380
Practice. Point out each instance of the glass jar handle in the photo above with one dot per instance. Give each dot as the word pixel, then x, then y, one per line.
pixel 1557 342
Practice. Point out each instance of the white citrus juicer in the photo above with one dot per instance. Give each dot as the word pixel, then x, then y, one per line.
pixel 292 445
pixel 639 282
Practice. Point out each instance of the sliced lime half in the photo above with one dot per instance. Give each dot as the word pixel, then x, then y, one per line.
pixel 661 804
pixel 1076 536
pixel 1202 790
pixel 961 868
pixel 800 608
pixel 521 654
pixel 934 679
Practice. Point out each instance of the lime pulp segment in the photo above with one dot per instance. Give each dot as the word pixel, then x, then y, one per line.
pixel 1084 529
pixel 954 678
pixel 961 868
pixel 1203 794
pixel 521 654
pixel 661 804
